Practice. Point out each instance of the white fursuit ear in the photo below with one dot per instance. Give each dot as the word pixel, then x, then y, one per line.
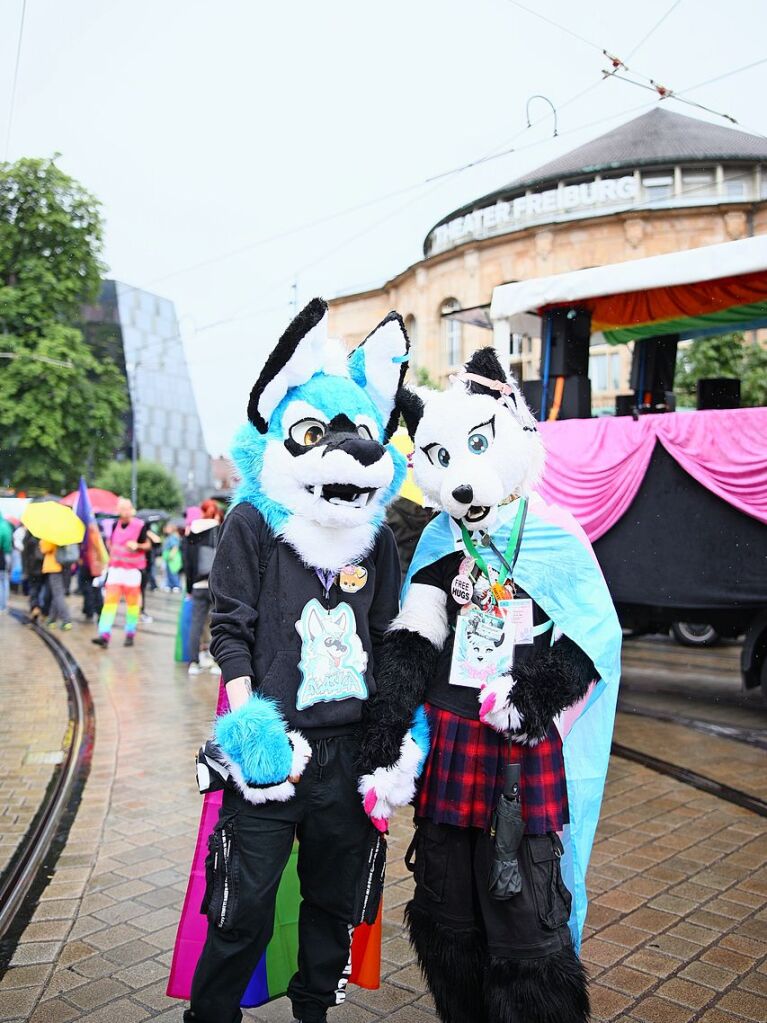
pixel 306 360
pixel 379 365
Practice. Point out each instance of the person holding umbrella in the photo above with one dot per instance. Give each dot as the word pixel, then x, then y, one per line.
pixel 57 528
pixel 127 560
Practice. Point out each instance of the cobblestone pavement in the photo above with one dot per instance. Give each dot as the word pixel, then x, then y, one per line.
pixel 33 727
pixel 677 928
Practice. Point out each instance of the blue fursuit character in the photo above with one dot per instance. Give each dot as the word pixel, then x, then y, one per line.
pixel 305 584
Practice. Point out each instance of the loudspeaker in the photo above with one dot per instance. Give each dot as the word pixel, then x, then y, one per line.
pixel 576 398
pixel 625 405
pixel 719 392
pixel 570 336
pixel 652 371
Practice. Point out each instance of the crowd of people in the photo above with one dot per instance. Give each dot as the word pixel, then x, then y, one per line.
pixel 116 562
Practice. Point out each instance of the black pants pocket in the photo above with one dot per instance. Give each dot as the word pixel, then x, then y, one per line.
pixel 222 876
pixel 432 859
pixel 552 899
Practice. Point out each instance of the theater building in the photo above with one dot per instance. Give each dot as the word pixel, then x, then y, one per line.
pixel 657 184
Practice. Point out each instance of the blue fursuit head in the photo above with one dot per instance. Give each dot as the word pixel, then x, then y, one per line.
pixel 315 457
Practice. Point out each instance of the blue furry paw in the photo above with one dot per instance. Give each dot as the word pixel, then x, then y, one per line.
pixel 254 738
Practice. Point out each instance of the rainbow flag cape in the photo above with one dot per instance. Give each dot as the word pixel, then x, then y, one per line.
pixel 278 964
pixel 557 567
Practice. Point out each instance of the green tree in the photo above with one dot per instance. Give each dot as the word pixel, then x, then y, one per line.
pixel 725 355
pixel 61 409
pixel 157 488
pixel 423 378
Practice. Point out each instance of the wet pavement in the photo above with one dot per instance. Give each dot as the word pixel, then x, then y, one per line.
pixel 677 929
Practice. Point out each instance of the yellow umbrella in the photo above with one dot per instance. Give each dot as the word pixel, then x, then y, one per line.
pixel 54 522
pixel 404 445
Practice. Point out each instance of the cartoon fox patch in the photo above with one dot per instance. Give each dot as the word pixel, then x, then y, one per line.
pixel 333 661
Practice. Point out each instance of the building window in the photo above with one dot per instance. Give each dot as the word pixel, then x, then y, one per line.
pixel 658 186
pixel 605 372
pixel 451 332
pixel 735 183
pixel 698 183
pixel 411 326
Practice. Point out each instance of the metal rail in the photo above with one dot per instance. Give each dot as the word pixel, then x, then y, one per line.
pixel 46 835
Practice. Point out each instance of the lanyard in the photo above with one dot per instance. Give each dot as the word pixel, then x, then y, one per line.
pixel 509 558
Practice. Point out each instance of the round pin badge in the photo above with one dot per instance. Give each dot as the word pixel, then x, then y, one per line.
pixel 462 589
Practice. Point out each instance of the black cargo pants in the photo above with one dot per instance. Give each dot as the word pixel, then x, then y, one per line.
pixel 451 867
pixel 254 843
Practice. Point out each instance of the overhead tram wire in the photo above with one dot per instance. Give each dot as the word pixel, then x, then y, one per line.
pixel 654 29
pixel 15 80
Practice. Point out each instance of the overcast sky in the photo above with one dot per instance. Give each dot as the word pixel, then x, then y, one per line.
pixel 205 128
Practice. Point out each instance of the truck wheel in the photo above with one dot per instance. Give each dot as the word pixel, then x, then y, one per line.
pixel 694 634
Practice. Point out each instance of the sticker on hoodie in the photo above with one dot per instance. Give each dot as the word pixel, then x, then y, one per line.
pixel 332 660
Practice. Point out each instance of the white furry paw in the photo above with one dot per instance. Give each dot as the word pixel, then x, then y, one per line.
pixel 390 787
pixel 495 707
pixel 302 754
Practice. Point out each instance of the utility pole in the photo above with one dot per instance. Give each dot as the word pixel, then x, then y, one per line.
pixel 134 435
pixel 294 299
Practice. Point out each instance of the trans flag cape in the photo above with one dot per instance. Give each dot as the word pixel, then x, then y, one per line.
pixel 279 962
pixel 557 567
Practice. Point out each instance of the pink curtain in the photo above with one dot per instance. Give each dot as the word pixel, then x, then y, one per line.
pixel 594 466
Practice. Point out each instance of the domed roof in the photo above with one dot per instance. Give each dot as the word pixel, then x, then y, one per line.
pixel 657 137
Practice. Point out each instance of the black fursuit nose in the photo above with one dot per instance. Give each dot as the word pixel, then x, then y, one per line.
pixel 366 452
pixel 464 494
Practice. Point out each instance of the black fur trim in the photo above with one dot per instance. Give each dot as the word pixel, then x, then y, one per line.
pixel 404 667
pixel 485 363
pixel 546 685
pixel 393 422
pixel 309 317
pixel 452 964
pixel 410 407
pixel 553 989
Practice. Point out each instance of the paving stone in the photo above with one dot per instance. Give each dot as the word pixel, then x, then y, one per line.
pixel 658 1010
pixel 17 1002
pixel 55 1011
pixel 97 992
pixel 25 976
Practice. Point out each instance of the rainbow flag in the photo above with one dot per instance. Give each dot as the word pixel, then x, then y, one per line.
pixel 280 961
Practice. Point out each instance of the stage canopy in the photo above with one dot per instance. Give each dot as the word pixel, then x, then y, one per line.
pixel 704 291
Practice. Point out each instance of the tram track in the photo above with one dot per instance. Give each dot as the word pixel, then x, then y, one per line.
pixel 32 863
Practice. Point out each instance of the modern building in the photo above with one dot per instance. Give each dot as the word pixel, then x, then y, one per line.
pixel 659 183
pixel 140 332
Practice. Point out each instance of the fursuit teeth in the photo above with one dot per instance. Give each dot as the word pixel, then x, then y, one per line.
pixel 254 739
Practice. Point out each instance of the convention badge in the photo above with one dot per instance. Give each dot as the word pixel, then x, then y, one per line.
pixel 333 662
pixel 352 578
pixel 521 614
pixel 483 647
pixel 462 589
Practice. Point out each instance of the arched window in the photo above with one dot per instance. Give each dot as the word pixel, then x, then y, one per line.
pixel 451 332
pixel 411 326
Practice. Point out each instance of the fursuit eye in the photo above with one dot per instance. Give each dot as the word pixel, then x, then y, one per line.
pixel 364 431
pixel 307 432
pixel 478 443
pixel 443 457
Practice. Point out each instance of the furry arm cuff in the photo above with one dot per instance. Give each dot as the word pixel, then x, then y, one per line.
pixel 527 700
pixel 259 754
pixel 403 670
pixel 387 787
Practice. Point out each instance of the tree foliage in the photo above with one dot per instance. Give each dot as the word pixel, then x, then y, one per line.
pixel 157 488
pixel 726 355
pixel 61 409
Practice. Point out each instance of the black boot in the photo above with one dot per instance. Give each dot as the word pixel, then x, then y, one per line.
pixel 552 989
pixel 452 964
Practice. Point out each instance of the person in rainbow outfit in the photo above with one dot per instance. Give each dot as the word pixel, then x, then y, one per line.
pixel 127 559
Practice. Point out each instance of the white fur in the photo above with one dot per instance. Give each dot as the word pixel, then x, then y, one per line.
pixel 307 359
pixel 394 786
pixel 280 793
pixel 385 344
pixel 328 547
pixel 504 717
pixel 512 463
pixel 302 754
pixel 424 612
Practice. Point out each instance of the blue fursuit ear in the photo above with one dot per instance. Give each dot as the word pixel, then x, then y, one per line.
pixel 254 737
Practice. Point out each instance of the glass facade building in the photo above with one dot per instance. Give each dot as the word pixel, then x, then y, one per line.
pixel 140 332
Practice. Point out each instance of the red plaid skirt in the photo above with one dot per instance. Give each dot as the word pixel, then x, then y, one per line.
pixel 463 775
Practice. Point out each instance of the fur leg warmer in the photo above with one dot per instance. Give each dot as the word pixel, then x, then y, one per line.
pixel 553 989
pixel 452 965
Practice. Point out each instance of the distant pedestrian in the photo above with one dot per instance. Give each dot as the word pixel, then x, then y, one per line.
pixel 6 550
pixel 202 537
pixel 91 569
pixel 128 546
pixel 53 570
pixel 37 585
pixel 171 556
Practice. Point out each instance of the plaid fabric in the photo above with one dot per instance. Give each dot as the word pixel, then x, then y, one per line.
pixel 463 775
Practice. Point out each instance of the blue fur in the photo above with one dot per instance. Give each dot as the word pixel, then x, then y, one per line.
pixel 356 362
pixel 419 730
pixel 254 738
pixel 330 395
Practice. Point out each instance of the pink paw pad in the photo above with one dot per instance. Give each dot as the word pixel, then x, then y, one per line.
pixel 370 801
pixel 486 707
